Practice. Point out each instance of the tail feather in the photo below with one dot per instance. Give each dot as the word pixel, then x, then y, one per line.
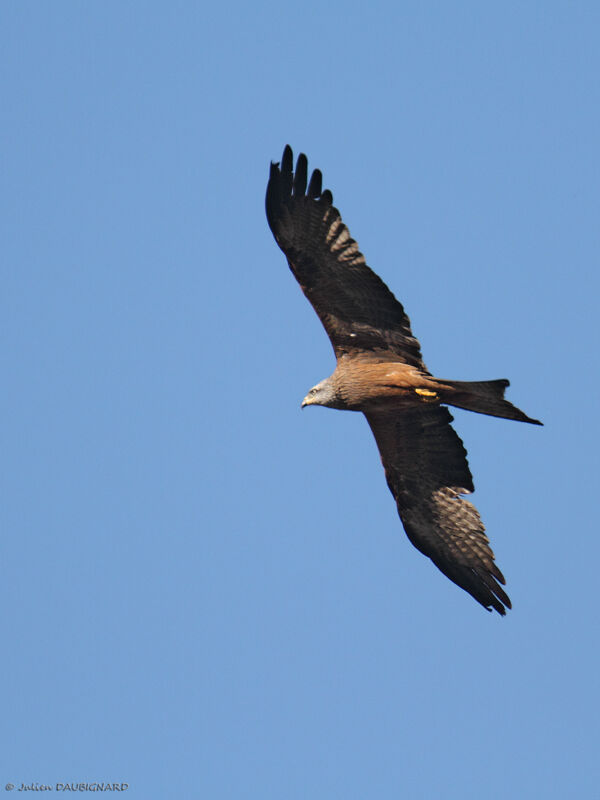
pixel 484 397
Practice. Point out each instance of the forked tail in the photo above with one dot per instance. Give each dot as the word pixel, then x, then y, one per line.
pixel 484 397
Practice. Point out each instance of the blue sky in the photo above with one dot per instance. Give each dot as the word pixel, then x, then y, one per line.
pixel 207 592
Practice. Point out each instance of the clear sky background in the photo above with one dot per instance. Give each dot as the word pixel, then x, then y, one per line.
pixel 206 592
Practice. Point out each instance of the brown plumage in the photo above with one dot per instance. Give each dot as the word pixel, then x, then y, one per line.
pixel 380 371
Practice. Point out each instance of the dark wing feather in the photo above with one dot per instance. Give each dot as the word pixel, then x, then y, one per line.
pixel 427 471
pixel 357 309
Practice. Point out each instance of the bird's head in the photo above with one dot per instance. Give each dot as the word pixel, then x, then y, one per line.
pixel 323 394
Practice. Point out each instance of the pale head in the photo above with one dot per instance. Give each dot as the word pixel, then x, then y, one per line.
pixel 323 394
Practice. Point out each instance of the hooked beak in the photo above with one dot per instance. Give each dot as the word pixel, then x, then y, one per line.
pixel 305 402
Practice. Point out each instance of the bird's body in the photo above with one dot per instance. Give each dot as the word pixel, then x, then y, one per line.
pixel 381 373
pixel 360 385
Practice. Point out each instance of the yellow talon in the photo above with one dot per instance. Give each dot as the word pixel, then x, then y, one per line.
pixel 426 393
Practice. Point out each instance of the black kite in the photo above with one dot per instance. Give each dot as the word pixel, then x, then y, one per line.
pixel 380 372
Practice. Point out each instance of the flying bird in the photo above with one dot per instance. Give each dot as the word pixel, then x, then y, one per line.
pixel 380 371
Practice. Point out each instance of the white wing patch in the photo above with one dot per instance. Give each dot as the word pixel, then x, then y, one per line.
pixel 334 230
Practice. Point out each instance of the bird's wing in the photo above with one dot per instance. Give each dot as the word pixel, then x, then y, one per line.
pixel 427 471
pixel 357 309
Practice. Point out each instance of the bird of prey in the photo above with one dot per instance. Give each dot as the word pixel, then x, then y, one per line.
pixel 380 372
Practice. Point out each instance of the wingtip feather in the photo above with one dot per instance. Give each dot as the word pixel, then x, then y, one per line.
pixel 287 159
pixel 327 198
pixel 315 185
pixel 300 176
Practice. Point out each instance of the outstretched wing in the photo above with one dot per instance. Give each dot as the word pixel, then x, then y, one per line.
pixel 427 471
pixel 357 309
